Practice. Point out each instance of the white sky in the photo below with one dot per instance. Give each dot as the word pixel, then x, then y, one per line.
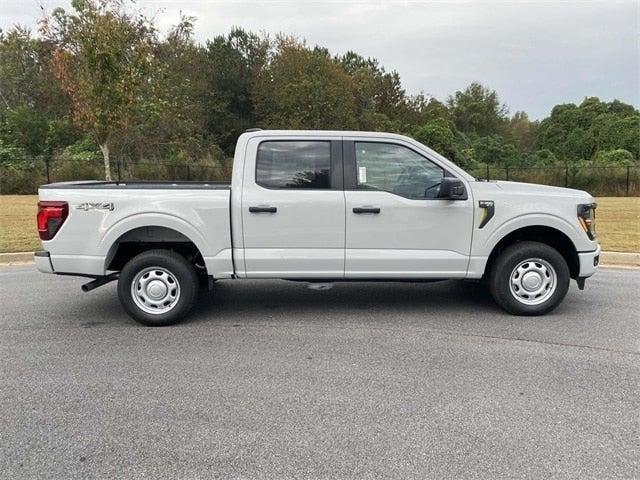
pixel 534 53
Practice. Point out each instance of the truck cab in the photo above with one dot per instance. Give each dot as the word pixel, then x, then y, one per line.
pixel 322 206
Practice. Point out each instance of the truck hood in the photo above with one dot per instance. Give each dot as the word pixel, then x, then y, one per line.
pixel 545 190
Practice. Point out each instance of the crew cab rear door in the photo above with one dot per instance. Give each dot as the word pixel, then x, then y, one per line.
pixel 396 226
pixel 293 207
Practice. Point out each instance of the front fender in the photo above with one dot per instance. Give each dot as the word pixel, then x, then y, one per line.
pixel 486 245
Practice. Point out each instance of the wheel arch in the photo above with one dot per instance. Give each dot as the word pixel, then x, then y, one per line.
pixel 545 234
pixel 127 239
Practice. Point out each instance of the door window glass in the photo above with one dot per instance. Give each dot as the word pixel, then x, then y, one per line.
pixel 396 169
pixel 294 164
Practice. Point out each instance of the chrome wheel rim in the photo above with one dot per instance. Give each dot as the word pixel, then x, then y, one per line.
pixel 155 290
pixel 533 281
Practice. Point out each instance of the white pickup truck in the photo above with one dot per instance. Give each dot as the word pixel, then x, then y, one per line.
pixel 319 206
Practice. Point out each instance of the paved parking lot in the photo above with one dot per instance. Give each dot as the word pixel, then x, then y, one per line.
pixel 273 380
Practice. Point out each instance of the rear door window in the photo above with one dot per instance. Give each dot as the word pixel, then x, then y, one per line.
pixel 294 165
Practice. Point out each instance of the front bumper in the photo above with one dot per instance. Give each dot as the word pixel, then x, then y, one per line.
pixel 589 262
pixel 43 262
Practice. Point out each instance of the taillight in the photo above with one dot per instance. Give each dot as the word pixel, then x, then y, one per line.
pixel 51 216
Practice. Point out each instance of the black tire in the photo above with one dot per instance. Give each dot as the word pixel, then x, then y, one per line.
pixel 512 257
pixel 174 270
pixel 204 281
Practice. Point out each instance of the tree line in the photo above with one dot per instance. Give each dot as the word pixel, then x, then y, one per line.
pixel 100 82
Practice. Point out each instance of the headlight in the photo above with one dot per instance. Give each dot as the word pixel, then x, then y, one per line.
pixel 587 218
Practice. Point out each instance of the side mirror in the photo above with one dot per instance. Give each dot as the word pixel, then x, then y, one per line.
pixel 452 188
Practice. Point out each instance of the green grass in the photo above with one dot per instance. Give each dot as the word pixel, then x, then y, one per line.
pixel 618 223
pixel 18 229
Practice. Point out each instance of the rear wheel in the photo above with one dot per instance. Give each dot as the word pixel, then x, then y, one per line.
pixel 529 278
pixel 158 287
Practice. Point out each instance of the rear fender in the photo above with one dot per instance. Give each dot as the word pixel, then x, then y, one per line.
pixel 110 239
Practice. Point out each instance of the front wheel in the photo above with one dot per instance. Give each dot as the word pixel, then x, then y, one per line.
pixel 529 278
pixel 158 288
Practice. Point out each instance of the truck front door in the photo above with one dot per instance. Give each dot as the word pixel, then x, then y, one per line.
pixel 293 208
pixel 397 227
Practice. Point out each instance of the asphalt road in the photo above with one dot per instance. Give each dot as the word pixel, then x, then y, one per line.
pixel 273 380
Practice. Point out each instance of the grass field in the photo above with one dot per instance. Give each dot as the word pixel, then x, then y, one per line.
pixel 618 223
pixel 18 230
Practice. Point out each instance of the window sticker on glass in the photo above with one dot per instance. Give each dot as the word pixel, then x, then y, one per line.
pixel 362 174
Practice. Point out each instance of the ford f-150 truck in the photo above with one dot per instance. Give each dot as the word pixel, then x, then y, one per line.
pixel 319 206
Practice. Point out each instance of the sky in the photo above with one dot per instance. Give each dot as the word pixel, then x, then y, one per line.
pixel 535 54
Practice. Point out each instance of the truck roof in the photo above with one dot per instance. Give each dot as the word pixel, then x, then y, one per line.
pixel 256 132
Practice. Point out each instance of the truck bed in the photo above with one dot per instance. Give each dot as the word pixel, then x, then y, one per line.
pixel 102 215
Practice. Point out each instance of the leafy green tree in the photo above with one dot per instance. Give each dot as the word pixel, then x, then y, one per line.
pixel 102 58
pixel 554 130
pixel 84 149
pixel 542 158
pixel 611 131
pixel 478 110
pixel 170 115
pixel 614 158
pixel 25 128
pixel 303 88
pixel 522 132
pixel 577 132
pixel 33 106
pixel 437 134
pixel 365 84
pixel 233 65
pixel 493 150
pixel 422 109
pixel 622 109
pixel 33 133
pixel 10 154
pixel 26 78
pixel 381 102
